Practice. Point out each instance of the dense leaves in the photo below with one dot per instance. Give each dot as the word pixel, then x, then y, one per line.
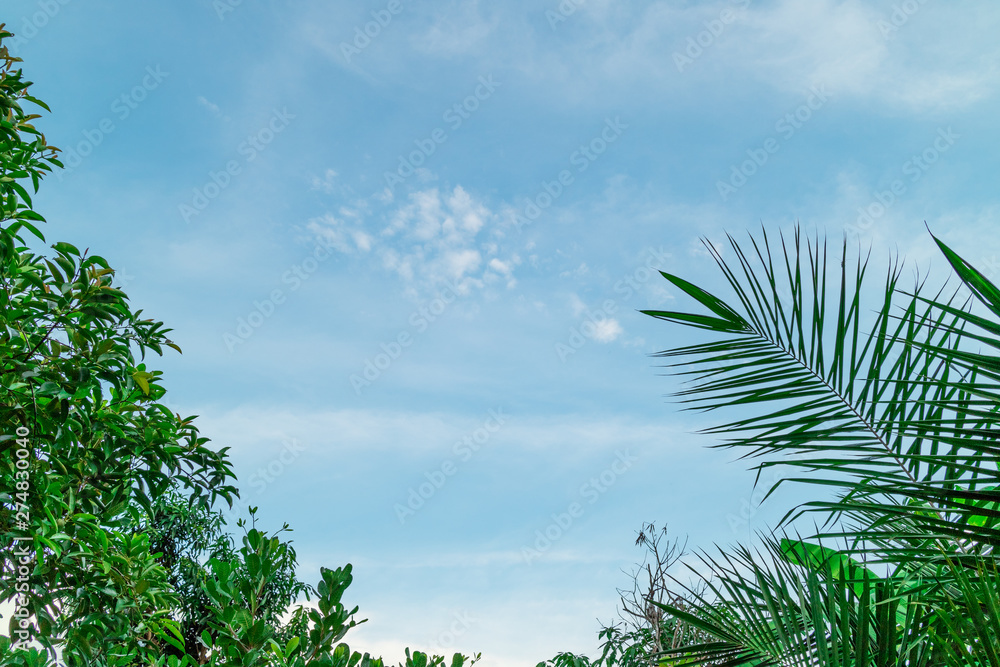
pixel 110 545
pixel 96 446
pixel 892 406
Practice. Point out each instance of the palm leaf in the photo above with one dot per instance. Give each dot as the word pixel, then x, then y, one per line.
pixel 884 407
pixel 791 613
pixel 892 407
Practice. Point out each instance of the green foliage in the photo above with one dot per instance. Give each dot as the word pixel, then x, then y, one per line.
pixel 109 542
pixel 24 153
pixel 184 536
pixel 618 649
pixel 100 447
pixel 895 410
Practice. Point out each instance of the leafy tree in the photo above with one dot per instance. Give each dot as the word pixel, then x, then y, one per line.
pixel 896 413
pixel 185 537
pixel 94 442
pixel 620 648
pixel 108 539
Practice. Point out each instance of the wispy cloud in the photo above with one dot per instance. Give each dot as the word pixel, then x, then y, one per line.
pixel 457 30
pixel 431 239
pixel 213 108
pixel 327 183
pixel 928 63
pixel 607 330
pixel 789 44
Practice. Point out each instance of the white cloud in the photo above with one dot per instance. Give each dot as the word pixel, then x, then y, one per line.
pixel 394 262
pixel 607 330
pixel 363 241
pixel 501 267
pixel 430 240
pixel 325 184
pixel 943 57
pixel 461 262
pixel 840 44
pixel 213 108
pixel 333 232
pixel 426 213
pixel 470 213
pixel 578 272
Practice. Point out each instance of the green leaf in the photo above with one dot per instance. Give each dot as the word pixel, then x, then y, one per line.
pixel 66 248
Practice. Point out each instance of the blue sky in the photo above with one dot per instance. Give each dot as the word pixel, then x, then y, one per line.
pixel 405 266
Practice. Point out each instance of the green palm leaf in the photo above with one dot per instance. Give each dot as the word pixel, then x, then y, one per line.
pixel 805 613
pixel 891 406
pixel 884 407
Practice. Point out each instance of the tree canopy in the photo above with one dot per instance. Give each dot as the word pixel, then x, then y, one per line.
pixel 112 549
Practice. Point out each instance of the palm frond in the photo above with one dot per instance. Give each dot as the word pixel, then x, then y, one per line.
pixel 778 607
pixel 894 408
pixel 876 406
